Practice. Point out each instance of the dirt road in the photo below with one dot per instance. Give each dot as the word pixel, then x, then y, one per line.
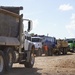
pixel 48 65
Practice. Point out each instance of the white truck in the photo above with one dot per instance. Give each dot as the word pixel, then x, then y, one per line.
pixel 15 43
pixel 37 41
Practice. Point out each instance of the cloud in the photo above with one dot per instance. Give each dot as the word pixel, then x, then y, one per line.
pixel 65 7
pixel 73 17
pixel 71 26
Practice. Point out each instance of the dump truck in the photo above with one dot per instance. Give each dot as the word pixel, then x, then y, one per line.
pixel 15 44
pixel 61 47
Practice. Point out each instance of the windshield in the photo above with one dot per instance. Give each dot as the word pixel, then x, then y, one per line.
pixel 70 41
pixel 28 38
pixel 51 39
pixel 36 39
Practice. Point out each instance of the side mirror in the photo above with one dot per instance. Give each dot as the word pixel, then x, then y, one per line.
pixel 29 25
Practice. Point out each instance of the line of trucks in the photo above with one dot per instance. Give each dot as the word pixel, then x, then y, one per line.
pixel 52 46
pixel 15 43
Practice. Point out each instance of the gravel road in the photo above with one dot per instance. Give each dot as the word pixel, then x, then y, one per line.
pixel 48 65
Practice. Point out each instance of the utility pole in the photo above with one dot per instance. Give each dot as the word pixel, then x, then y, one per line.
pixel 47 34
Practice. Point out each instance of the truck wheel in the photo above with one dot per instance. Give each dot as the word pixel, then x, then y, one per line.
pixel 59 52
pixel 8 59
pixel 31 61
pixel 64 51
pixel 74 50
pixel 39 52
pixel 50 52
pixel 46 52
pixel 1 63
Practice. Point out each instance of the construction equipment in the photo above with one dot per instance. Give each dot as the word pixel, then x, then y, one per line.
pixel 61 47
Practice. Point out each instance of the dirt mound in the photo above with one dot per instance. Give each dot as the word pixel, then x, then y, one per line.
pixel 68 63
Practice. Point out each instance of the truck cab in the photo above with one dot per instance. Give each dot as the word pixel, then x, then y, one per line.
pixel 50 42
pixel 27 40
pixel 37 41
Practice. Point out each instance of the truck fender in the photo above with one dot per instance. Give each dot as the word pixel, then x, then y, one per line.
pixel 30 49
pixel 30 46
pixel 28 55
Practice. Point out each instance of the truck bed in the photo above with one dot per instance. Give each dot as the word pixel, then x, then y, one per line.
pixel 9 28
pixel 9 25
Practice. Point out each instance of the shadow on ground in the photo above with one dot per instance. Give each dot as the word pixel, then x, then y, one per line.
pixel 23 71
pixel 56 55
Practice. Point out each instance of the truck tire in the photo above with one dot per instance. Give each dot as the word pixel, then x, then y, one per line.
pixel 59 51
pixel 39 52
pixel 50 52
pixel 31 61
pixel 46 52
pixel 64 51
pixel 73 50
pixel 8 59
pixel 2 65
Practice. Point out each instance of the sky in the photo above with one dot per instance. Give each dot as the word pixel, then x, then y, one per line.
pixel 53 17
